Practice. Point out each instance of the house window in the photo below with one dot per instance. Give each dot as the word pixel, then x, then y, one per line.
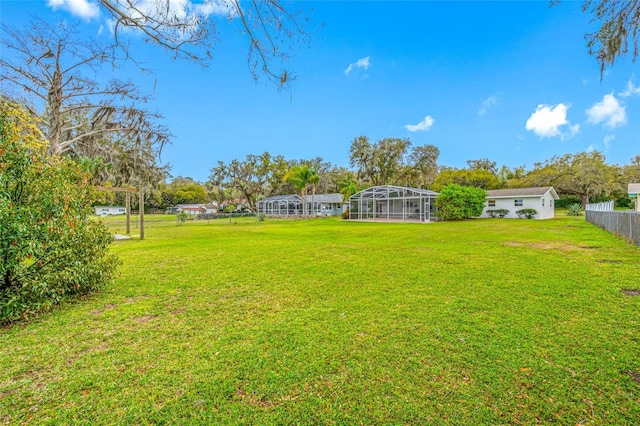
pixel 543 202
pixel 517 202
pixel 492 203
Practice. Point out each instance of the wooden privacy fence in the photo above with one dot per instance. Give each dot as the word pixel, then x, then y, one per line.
pixel 623 223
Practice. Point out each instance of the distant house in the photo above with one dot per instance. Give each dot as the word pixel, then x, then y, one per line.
pixel 110 210
pixel 194 209
pixel 540 199
pixel 633 191
pixel 326 204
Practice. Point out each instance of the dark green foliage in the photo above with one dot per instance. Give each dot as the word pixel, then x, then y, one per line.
pixel 527 213
pixel 563 202
pixel 345 214
pixel 456 202
pixel 574 209
pixel 49 249
pixel 498 213
pixel 623 202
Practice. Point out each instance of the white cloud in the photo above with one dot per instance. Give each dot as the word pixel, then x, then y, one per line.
pixel 607 141
pixel 488 103
pixel 547 121
pixel 362 63
pixel 421 126
pixel 216 7
pixel 590 148
pixel 630 90
pixel 608 111
pixel 81 8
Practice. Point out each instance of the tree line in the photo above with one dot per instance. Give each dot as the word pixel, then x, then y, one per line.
pixel 582 177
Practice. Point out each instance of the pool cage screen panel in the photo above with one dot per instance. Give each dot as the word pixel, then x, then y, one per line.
pixel 281 205
pixel 393 203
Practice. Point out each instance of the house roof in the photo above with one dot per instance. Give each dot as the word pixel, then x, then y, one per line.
pixel 522 192
pixel 282 198
pixel 326 198
pixel 634 188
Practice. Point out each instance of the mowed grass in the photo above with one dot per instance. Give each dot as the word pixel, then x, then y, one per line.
pixel 334 322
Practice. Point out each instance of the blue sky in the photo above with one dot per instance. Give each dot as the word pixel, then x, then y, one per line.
pixel 508 81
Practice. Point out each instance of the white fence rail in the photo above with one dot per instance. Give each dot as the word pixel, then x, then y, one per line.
pixel 606 206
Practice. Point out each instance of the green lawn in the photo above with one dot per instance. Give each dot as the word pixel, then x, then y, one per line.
pixel 333 322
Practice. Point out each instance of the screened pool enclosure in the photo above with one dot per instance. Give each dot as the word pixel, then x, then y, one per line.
pixel 281 205
pixel 393 203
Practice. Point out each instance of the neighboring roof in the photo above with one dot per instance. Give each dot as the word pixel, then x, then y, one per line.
pixel 282 198
pixel 634 189
pixel 325 198
pixel 109 207
pixel 522 192
pixel 391 191
pixel 193 209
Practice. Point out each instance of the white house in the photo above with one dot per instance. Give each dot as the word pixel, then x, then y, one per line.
pixel 194 209
pixel 110 210
pixel 326 204
pixel 541 199
pixel 633 190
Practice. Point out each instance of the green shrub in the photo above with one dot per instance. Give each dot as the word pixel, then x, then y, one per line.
pixel 574 209
pixel 261 217
pixel 345 214
pixel 563 202
pixel 456 202
pixel 181 217
pixel 623 202
pixel 527 213
pixel 501 213
pixel 50 249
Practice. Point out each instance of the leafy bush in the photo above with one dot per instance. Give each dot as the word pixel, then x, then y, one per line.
pixel 261 217
pixel 50 248
pixel 563 202
pixel 527 213
pixel 181 217
pixel 623 202
pixel 456 202
pixel 345 214
pixel 501 213
pixel 574 209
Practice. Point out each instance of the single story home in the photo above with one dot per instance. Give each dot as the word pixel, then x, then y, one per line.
pixel 633 190
pixel 541 199
pixel 194 209
pixel 326 204
pixel 110 210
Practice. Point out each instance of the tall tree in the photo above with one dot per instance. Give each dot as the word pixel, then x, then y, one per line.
pixel 585 175
pixel 301 177
pixel 619 22
pixel 56 68
pixel 252 177
pixel 479 178
pixel 423 165
pixel 392 161
pixel 184 191
pixel 190 31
